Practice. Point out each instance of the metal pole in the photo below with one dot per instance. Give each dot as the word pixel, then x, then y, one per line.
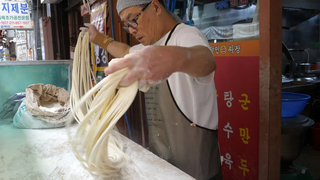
pixel 37 28
pixel 57 30
pixel 141 120
pixel 270 25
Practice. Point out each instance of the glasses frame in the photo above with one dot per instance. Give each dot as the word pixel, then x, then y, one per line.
pixel 133 22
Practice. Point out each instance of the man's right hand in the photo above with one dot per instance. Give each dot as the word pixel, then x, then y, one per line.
pixel 116 49
pixel 91 29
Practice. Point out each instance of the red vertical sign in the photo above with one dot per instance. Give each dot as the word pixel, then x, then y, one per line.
pixel 237 83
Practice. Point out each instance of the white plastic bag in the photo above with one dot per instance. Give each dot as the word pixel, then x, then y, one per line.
pixel 24 120
pixel 11 106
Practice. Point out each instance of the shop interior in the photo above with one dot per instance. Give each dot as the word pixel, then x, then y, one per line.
pixel 300 38
pixel 45 52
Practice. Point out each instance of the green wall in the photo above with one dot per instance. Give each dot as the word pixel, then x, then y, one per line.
pixel 16 76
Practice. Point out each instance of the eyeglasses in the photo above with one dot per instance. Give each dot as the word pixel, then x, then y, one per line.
pixel 133 23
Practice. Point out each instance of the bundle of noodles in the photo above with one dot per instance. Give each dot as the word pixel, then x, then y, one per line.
pixel 100 151
pixel 82 75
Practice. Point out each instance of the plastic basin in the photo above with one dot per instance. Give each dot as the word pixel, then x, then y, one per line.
pixel 293 103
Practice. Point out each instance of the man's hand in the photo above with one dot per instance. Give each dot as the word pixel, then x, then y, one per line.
pixel 149 65
pixel 91 29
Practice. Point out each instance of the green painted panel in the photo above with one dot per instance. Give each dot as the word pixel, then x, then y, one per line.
pixel 15 78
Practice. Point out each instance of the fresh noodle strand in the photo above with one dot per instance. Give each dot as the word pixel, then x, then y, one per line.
pixel 97 109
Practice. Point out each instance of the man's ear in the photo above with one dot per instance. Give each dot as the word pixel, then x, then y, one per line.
pixel 157 6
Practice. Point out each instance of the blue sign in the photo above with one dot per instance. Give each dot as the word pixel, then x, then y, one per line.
pixel 14 15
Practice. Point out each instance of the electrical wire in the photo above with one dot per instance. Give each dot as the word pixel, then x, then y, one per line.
pixel 113 36
pixel 128 125
pixel 111 12
pixel 184 9
pixel 173 5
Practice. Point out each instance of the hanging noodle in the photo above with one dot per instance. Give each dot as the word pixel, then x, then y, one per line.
pixel 82 75
pixel 98 111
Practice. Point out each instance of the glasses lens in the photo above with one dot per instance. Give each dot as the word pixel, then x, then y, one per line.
pixel 126 28
pixel 132 24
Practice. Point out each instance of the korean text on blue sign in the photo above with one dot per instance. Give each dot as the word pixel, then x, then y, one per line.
pixel 14 15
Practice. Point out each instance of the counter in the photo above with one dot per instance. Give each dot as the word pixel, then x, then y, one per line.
pixel 290 87
pixel 46 154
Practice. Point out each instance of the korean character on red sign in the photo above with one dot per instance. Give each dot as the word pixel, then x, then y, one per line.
pixel 24 8
pixel 223 49
pixel 15 8
pixel 244 166
pixel 244 102
pixel 212 48
pixel 231 49
pixel 238 48
pixel 234 3
pixel 5 7
pixel 228 97
pixel 244 134
pixel 243 2
pixel 228 129
pixel 228 160
pixel 217 49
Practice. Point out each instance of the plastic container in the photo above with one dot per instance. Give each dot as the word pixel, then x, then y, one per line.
pixel 315 136
pixel 293 103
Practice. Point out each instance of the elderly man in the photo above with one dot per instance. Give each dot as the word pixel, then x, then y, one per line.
pixel 176 62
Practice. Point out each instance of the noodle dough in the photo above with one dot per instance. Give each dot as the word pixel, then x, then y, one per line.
pixel 98 111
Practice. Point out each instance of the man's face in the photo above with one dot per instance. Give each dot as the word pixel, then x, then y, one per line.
pixel 12 58
pixel 142 26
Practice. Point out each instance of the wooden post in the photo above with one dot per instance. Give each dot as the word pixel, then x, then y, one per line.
pixel 270 89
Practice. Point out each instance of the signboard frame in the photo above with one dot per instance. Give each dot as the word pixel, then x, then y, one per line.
pixel 14 15
pixel 238 102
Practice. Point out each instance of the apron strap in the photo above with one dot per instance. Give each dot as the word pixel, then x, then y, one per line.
pixel 168 38
pixel 191 123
